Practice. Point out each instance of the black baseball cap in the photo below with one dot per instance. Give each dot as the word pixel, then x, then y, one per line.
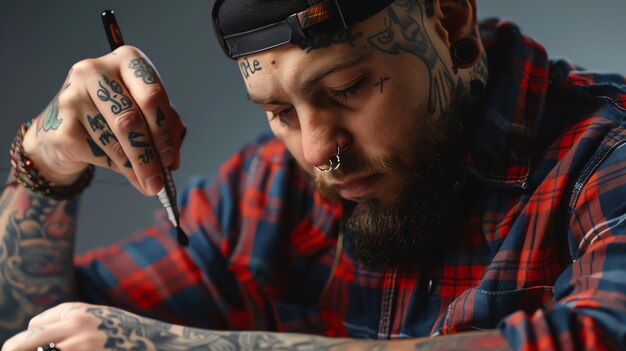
pixel 248 26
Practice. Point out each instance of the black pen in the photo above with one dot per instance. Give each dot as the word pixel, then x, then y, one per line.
pixel 167 195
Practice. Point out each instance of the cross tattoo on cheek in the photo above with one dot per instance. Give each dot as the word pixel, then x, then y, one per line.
pixel 381 82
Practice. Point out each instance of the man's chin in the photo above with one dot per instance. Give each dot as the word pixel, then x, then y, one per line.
pixel 397 234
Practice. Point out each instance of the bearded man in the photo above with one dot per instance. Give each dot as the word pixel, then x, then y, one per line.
pixel 430 183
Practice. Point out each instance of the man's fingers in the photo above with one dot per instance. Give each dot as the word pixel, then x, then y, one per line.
pixel 144 84
pixel 54 314
pixel 179 131
pixel 127 122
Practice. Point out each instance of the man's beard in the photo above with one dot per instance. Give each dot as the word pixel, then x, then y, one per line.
pixel 409 227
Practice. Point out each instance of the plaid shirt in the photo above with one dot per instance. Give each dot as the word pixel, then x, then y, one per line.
pixel 541 254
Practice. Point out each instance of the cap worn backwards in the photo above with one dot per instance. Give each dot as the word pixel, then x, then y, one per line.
pixel 248 26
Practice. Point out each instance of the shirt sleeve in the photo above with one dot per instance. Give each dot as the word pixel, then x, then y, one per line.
pixel 589 312
pixel 150 274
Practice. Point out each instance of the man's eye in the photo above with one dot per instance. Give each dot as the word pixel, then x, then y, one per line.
pixel 354 90
pixel 283 112
pixel 281 115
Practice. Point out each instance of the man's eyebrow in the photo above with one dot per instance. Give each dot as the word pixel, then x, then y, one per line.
pixel 307 87
pixel 339 66
pixel 261 101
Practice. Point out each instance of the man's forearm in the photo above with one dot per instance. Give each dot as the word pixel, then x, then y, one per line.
pixel 472 341
pixel 36 250
pixel 123 329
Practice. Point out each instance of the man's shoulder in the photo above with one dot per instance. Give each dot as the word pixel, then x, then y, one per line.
pixel 266 150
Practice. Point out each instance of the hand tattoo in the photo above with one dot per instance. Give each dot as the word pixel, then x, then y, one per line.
pixel 51 120
pixel 115 95
pixel 143 70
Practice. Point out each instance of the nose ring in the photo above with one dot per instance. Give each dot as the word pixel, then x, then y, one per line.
pixel 333 163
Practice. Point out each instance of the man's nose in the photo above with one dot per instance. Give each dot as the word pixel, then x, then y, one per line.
pixel 320 137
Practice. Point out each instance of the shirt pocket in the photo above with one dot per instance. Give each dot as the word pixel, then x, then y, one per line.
pixel 483 309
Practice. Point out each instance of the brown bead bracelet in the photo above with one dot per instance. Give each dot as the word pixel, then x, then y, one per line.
pixel 27 175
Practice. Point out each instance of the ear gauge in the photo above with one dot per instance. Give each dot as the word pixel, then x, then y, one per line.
pixel 430 10
pixel 465 53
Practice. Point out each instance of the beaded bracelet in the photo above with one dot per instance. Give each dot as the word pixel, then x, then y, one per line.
pixel 27 175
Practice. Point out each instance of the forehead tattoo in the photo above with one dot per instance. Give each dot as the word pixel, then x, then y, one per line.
pixel 310 82
pixel 249 68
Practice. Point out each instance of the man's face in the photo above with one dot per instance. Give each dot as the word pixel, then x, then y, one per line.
pixel 381 92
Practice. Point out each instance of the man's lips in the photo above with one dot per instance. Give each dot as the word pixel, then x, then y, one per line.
pixel 354 188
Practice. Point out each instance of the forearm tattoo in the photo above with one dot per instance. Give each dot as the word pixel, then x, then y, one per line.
pixel 126 331
pixel 112 91
pixel 143 70
pixel 404 33
pixel 36 251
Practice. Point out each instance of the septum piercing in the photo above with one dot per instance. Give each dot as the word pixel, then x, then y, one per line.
pixel 332 165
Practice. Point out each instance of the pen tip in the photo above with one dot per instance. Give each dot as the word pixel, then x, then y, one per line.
pixel 182 238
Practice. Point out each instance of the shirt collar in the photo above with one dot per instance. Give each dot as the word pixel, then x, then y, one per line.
pixel 500 150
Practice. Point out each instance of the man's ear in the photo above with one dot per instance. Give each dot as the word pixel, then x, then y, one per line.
pixel 457 26
pixel 457 18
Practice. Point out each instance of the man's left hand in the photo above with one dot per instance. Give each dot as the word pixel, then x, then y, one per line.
pixel 78 326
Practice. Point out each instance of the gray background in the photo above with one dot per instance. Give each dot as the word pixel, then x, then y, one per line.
pixel 40 40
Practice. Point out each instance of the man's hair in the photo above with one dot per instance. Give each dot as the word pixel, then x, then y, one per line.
pixel 247 26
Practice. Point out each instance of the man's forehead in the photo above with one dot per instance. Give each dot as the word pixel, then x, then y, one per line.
pixel 302 71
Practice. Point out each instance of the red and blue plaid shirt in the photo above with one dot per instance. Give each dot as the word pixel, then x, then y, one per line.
pixel 541 254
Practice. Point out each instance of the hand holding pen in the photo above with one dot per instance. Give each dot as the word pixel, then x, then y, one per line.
pixel 167 194
pixel 112 112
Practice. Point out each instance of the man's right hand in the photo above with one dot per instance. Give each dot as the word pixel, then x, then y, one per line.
pixel 111 112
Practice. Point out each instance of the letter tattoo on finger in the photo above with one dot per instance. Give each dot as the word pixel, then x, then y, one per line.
pixel 160 116
pixel 100 125
pixel 112 91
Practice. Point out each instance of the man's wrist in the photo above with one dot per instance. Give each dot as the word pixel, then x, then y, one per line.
pixel 48 184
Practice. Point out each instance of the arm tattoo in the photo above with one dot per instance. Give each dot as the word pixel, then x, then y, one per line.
pixel 404 33
pixel 51 120
pixel 36 249
pixel 468 341
pixel 126 331
pixel 111 90
pixel 143 70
